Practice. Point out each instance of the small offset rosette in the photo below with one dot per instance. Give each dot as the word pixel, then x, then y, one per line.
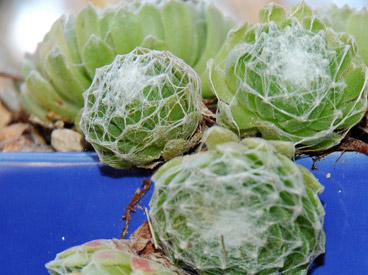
pixel 242 207
pixel 290 78
pixel 143 108
pixel 108 257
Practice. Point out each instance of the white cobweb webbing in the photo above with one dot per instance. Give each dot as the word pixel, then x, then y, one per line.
pixel 291 80
pixel 236 209
pixel 139 102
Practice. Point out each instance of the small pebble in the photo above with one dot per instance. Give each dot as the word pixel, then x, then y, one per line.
pixel 328 175
pixel 66 140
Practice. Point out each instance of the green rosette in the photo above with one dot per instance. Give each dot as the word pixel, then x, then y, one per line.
pixel 290 78
pixel 242 207
pixel 64 64
pixel 107 257
pixel 143 108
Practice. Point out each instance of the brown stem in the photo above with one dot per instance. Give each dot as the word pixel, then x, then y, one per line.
pixel 352 144
pixel 138 195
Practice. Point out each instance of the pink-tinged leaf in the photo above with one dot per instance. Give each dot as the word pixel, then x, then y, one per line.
pixel 105 254
pixel 94 243
pixel 140 264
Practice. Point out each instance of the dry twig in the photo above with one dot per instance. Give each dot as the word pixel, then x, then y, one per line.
pixel 138 195
pixel 352 144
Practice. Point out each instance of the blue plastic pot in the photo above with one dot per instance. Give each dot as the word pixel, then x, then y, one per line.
pixel 52 201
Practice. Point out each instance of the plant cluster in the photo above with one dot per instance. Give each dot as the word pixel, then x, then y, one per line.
pixel 64 64
pixel 290 77
pixel 238 208
pixel 136 76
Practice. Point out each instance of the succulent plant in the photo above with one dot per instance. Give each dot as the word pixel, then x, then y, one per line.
pixel 346 19
pixel 238 208
pixel 107 257
pixel 64 64
pixel 290 78
pixel 144 106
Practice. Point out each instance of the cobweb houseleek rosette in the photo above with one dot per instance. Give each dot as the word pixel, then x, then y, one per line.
pixel 144 107
pixel 290 77
pixel 64 64
pixel 238 208
pixel 349 20
pixel 107 257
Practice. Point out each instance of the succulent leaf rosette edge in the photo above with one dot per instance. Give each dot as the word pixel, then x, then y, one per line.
pixel 290 78
pixel 238 208
pixel 349 20
pixel 64 63
pixel 108 257
pixel 143 108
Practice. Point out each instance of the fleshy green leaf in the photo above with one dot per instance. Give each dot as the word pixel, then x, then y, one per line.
pixel 49 98
pixel 218 82
pixel 151 42
pixel 63 77
pixel 301 11
pixel 272 12
pixel 177 24
pixel 215 35
pixel 357 25
pixel 150 17
pixel 217 135
pixel 126 31
pixel 86 24
pixel 355 81
pixel 31 104
pixel 92 61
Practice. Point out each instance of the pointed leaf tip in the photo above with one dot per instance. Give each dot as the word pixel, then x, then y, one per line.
pixel 301 10
pixel 217 135
pixel 272 12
